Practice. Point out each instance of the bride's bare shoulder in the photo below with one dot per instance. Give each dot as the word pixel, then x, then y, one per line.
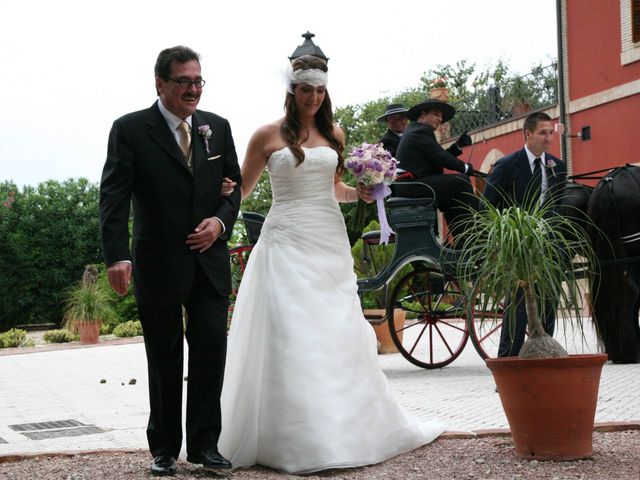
pixel 268 139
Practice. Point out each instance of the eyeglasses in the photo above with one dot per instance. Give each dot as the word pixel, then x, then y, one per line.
pixel 186 83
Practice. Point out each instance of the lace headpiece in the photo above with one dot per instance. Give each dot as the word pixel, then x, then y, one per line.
pixel 312 76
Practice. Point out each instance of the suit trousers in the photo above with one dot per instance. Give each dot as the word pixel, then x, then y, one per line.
pixel 206 334
pixel 510 344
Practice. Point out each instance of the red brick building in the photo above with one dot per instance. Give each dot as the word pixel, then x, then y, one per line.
pixel 599 97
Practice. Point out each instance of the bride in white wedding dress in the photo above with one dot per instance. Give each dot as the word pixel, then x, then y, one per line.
pixel 303 388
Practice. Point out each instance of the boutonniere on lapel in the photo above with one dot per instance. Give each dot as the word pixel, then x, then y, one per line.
pixel 552 165
pixel 206 133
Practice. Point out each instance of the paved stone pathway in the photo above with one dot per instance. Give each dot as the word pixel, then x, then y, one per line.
pixel 65 386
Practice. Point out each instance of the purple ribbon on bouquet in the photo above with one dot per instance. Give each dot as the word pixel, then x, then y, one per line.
pixel 380 191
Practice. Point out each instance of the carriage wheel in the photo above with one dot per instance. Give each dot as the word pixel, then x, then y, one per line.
pixel 435 332
pixel 484 322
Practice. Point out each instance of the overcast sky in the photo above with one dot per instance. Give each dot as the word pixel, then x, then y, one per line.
pixel 72 67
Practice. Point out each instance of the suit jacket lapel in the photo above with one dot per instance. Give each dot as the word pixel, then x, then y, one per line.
pixel 524 166
pixel 552 172
pixel 197 142
pixel 160 133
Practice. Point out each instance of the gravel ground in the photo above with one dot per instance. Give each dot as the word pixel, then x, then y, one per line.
pixel 616 456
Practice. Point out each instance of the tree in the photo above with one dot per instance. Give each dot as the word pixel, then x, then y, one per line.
pixel 47 235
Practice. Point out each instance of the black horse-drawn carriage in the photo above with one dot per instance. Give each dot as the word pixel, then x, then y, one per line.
pixel 421 279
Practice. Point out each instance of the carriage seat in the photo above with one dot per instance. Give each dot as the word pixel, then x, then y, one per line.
pixel 373 237
pixel 253 225
pixel 398 202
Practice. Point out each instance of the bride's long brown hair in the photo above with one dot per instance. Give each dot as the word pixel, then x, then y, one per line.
pixel 292 128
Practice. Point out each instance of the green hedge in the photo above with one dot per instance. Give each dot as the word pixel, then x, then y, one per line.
pixel 48 234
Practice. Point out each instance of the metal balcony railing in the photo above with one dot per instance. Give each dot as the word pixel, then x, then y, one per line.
pixel 537 89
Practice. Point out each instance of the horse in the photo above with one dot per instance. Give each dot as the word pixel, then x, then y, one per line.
pixel 615 236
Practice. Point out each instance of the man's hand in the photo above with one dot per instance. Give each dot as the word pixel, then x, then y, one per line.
pixel 469 171
pixel 204 234
pixel 119 277
pixel 364 193
pixel 227 186
pixel 464 140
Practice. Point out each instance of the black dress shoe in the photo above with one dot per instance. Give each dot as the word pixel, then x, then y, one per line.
pixel 163 466
pixel 210 459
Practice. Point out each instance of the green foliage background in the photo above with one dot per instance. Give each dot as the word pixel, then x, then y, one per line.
pixel 47 235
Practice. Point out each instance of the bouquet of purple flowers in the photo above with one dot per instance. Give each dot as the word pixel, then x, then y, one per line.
pixel 375 167
pixel 372 165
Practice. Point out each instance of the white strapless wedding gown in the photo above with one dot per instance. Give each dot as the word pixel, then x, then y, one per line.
pixel 303 388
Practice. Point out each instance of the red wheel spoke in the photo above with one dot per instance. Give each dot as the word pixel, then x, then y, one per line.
pixel 444 340
pixel 418 339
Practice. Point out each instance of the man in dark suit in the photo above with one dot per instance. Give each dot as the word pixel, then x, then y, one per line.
pixel 528 176
pixel 179 254
pixel 420 154
pixel 395 116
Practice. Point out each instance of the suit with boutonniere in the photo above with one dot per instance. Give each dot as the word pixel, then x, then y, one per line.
pixel 146 168
pixel 512 182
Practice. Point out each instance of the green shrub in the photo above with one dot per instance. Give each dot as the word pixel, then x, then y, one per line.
pixel 131 328
pixel 124 307
pixel 380 256
pixel 15 338
pixel 47 234
pixel 59 336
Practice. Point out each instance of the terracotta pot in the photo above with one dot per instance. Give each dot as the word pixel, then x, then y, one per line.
pixel 520 109
pixel 89 332
pixel 550 403
pixel 440 93
pixel 382 329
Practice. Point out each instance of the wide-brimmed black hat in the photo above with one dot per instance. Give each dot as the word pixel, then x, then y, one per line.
pixel 447 110
pixel 392 109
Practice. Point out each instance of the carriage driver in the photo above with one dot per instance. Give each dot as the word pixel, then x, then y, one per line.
pixel 420 154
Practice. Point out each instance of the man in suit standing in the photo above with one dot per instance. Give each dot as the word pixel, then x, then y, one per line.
pixel 525 178
pixel 395 116
pixel 420 154
pixel 170 160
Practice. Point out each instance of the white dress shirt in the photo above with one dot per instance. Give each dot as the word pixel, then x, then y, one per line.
pixel 543 169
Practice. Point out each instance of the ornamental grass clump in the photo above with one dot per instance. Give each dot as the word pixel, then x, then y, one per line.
pixel 531 248
pixel 87 303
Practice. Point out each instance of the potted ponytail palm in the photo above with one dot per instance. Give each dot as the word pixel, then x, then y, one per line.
pixel 549 397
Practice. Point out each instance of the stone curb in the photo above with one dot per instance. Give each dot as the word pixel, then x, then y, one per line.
pixel 17 457
pixel 494 432
pixel 50 347
pixel 603 427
